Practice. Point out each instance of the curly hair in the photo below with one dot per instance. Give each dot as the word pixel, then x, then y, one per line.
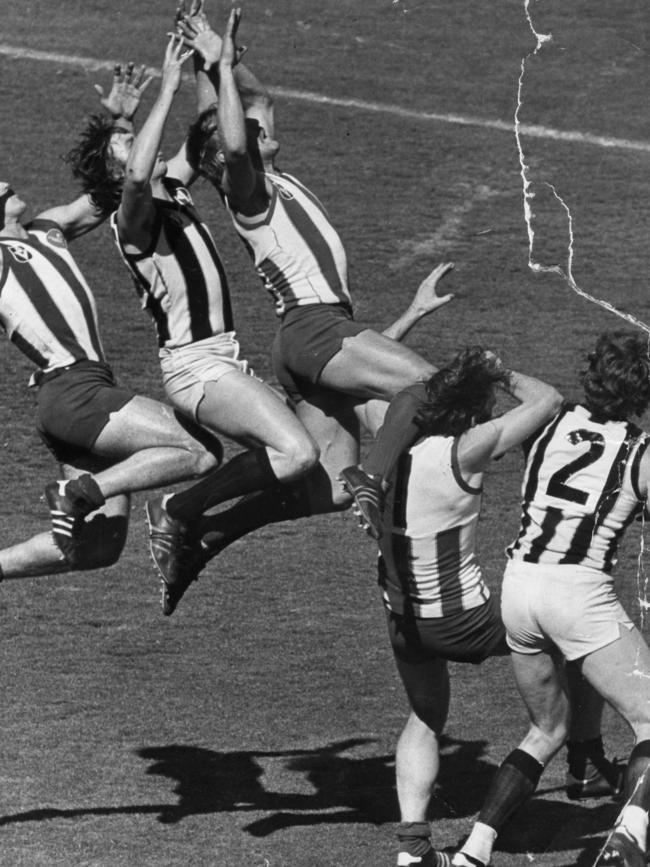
pixel 462 394
pixel 616 382
pixel 93 165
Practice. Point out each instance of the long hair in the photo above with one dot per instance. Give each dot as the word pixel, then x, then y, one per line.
pixel 462 393
pixel 616 382
pixel 93 165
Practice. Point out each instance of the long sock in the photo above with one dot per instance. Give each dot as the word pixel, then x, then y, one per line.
pixel 586 758
pixel 515 780
pixel 247 472
pixel 634 822
pixel 281 503
pixel 478 846
pixel 399 431
pixel 637 776
pixel 414 838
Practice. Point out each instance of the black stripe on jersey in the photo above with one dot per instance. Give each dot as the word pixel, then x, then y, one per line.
pixel 538 545
pixel 47 308
pixel 80 294
pixel 197 292
pixel 636 463
pixel 589 525
pixel 395 559
pixel 29 350
pixel 448 555
pixel 535 459
pixel 226 306
pixel 316 243
pixel 311 196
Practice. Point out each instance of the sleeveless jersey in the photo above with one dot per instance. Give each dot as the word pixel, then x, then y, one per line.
pixel 580 491
pixel 427 561
pixel 46 306
pixel 180 279
pixel 296 250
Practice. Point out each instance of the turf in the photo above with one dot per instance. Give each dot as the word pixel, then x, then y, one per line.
pixel 257 726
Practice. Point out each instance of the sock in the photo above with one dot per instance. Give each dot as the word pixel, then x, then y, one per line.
pixel 637 776
pixel 399 431
pixel 414 838
pixel 85 494
pixel 514 781
pixel 478 845
pixel 247 472
pixel 633 821
pixel 587 758
pixel 281 503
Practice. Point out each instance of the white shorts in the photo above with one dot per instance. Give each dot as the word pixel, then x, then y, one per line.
pixel 186 369
pixel 572 607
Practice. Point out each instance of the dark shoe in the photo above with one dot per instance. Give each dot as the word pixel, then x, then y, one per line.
pixel 67 513
pixel 605 781
pixel 621 851
pixel 191 561
pixel 368 498
pixel 167 545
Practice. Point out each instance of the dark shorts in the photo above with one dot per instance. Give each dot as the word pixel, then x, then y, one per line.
pixel 74 406
pixel 307 339
pixel 469 636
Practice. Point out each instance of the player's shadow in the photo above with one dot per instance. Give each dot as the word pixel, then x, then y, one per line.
pixel 344 788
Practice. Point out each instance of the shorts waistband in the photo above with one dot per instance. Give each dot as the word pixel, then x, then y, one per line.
pixel 42 376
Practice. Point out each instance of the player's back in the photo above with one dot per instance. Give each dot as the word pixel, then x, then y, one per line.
pixel 428 562
pixel 46 306
pixel 296 250
pixel 580 490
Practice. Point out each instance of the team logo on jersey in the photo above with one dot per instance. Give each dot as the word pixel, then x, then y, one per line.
pixel 183 197
pixel 20 253
pixel 55 238
pixel 283 191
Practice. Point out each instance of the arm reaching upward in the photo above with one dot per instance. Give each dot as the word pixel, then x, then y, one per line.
pixel 135 210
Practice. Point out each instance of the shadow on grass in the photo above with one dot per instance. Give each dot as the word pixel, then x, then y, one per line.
pixel 345 789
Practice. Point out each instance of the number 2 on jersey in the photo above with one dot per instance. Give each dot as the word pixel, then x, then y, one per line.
pixel 557 485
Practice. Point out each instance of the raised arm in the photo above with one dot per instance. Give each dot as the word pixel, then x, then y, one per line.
pixel 123 99
pixel 135 212
pixel 75 218
pixel 425 301
pixel 538 404
pixel 241 183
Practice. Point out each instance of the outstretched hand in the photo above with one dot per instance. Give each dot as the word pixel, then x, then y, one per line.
pixel 175 57
pixel 230 53
pixel 126 91
pixel 426 297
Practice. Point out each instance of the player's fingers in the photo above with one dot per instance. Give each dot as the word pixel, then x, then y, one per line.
pixel 99 89
pixel 117 71
pixel 145 84
pixel 129 70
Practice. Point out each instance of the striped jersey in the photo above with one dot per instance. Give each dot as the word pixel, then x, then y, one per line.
pixel 180 279
pixel 296 250
pixel 580 490
pixel 46 306
pixel 427 561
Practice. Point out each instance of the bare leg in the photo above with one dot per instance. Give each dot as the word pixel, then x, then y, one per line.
pixel 152 448
pixel 370 365
pixel 245 409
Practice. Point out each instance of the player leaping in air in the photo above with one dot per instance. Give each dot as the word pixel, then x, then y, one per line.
pixel 328 363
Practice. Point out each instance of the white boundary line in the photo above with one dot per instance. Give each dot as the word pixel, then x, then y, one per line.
pixel 531 130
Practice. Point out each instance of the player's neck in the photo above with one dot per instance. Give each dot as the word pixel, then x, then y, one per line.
pixel 13 229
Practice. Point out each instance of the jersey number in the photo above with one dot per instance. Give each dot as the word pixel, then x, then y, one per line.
pixel 557 485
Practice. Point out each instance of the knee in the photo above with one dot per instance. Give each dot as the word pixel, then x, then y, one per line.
pixel 204 459
pixel 303 455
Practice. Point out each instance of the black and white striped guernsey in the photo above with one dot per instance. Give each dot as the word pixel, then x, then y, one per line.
pixel 46 306
pixel 180 279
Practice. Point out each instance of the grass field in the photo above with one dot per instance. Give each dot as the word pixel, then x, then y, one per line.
pixel 256 727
